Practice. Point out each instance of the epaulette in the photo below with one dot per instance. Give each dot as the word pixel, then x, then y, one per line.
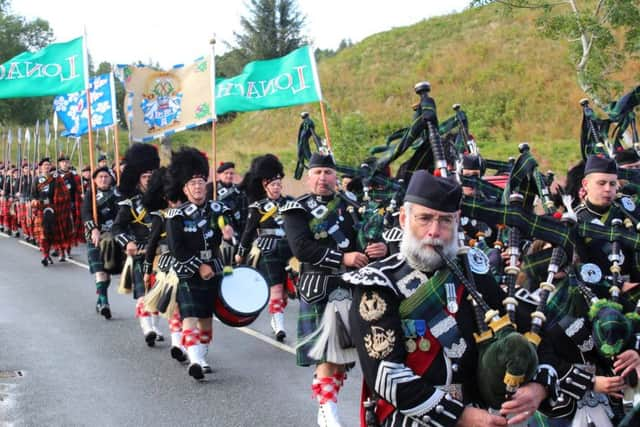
pixel 393 234
pixel 125 202
pixel 255 205
pixel 292 205
pixel 580 208
pixel 161 213
pixel 173 212
pixel 374 273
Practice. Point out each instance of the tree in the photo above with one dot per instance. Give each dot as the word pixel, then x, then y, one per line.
pixel 602 35
pixel 16 36
pixel 272 29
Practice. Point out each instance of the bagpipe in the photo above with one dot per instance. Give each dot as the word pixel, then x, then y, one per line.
pixel 306 132
pixel 596 135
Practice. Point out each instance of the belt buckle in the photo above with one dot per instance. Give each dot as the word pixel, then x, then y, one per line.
pixel 205 255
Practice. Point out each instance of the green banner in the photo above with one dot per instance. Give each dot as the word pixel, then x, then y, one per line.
pixel 55 70
pixel 273 83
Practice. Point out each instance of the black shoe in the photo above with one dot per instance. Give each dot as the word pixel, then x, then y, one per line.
pixel 17 234
pixel 54 253
pixel 207 369
pixel 159 337
pixel 281 335
pixel 50 260
pixel 106 311
pixel 195 371
pixel 178 354
pixel 61 258
pixel 45 261
pixel 150 338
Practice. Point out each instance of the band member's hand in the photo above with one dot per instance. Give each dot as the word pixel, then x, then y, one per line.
pixel 131 249
pixel 626 362
pixel 376 250
pixel 146 279
pixel 355 259
pixel 627 286
pixel 18 194
pixel 524 402
pixel 475 417
pixel 609 385
pixel 239 259
pixel 206 272
pixel 95 237
pixel 227 232
pixel 34 203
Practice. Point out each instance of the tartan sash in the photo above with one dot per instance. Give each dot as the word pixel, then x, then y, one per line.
pixel 327 223
pixel 426 299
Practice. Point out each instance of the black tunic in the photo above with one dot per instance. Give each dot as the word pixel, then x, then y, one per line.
pixel 194 236
pixel 597 251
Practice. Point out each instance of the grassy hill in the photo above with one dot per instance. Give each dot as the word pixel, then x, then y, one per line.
pixel 513 85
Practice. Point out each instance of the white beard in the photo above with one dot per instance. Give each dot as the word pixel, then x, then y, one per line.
pixel 422 257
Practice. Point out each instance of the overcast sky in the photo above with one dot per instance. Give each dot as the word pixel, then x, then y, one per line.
pixel 176 31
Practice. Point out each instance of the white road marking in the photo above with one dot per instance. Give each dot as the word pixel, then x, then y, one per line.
pixel 248 331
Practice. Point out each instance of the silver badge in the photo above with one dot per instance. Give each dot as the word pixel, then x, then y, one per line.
pixel 452 303
pixel 268 206
pixel 311 203
pixel 464 220
pixel 319 211
pixel 590 273
pixel 478 261
pixel 628 204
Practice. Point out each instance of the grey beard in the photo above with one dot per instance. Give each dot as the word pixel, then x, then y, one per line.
pixel 423 258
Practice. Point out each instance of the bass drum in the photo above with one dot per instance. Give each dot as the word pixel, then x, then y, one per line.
pixel 242 296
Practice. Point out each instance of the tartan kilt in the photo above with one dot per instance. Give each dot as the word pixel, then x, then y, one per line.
pixel 4 207
pixel 94 257
pixel 22 215
pixel 272 265
pixel 309 319
pixel 63 231
pixel 36 212
pixel 196 297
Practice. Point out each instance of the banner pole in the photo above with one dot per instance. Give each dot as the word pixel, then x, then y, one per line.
pixel 212 42
pixel 324 125
pixel 116 133
pixel 92 165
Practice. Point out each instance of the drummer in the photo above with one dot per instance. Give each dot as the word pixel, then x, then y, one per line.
pixel 195 231
pixel 263 186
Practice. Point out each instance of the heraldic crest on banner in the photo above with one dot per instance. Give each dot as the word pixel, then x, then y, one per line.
pixel 161 102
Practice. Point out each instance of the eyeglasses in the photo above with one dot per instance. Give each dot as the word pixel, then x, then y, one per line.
pixel 425 220
pixel 196 182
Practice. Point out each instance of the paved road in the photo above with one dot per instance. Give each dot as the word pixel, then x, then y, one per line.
pixel 73 368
